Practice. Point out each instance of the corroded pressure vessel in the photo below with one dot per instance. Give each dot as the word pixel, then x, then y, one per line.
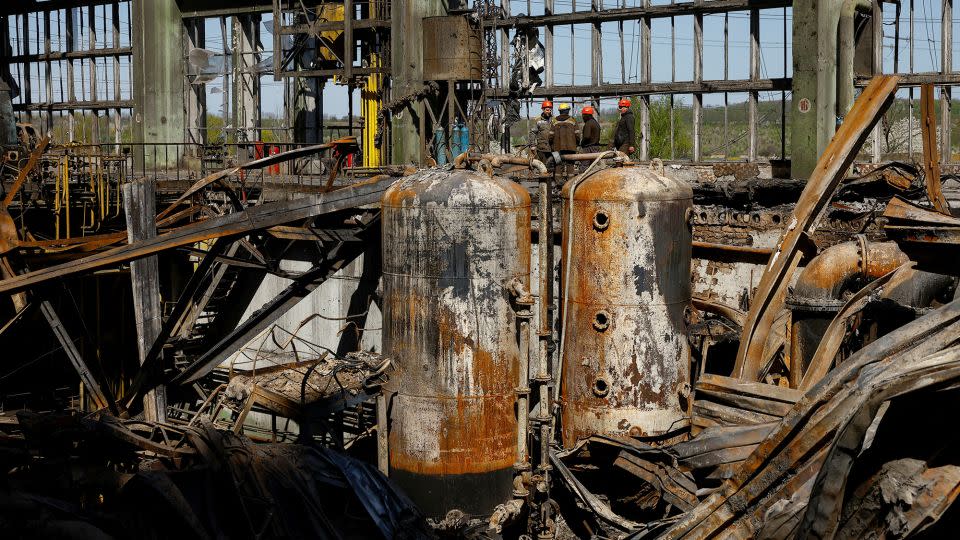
pixel 625 357
pixel 452 243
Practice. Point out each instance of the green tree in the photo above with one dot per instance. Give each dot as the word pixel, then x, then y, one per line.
pixel 660 111
pixel 660 129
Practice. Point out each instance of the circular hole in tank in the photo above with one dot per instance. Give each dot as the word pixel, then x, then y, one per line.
pixel 601 321
pixel 601 220
pixel 600 387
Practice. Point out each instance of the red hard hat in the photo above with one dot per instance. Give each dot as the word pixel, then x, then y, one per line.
pixel 587 110
pixel 546 103
pixel 623 103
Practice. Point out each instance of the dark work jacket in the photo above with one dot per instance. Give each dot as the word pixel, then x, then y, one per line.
pixel 591 133
pixel 564 134
pixel 625 134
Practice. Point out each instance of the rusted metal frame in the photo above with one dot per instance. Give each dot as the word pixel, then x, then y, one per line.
pixel 833 337
pixel 277 39
pixel 795 488
pixel 139 202
pixel 714 439
pixel 236 261
pixel 931 155
pixel 23 7
pixel 673 486
pixel 197 308
pixel 348 44
pixel 946 66
pixel 645 78
pixel 792 421
pixel 160 439
pixel 647 88
pixel 310 234
pixel 255 164
pixel 913 80
pixel 95 240
pixel 761 390
pixel 71 85
pixel 177 216
pixel 317 27
pixel 238 223
pixel 543 376
pixel 48 67
pixel 27 79
pixel 821 516
pixel 548 45
pixel 275 402
pixel 697 79
pixel 92 35
pixel 97 391
pixel 747 403
pixel 25 171
pixel 754 75
pixel 901 210
pixel 334 72
pixel 822 433
pixel 722 456
pixel 735 315
pixel 777 452
pixel 383 439
pixel 677 9
pixel 115 18
pixel 20 312
pixel 75 105
pixel 262 318
pixel 596 506
pixel 831 168
pixel 174 321
pixel 730 414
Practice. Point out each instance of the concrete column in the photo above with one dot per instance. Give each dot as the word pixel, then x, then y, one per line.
pixel 406 45
pixel 814 82
pixel 140 207
pixel 247 82
pixel 307 94
pixel 196 95
pixel 158 74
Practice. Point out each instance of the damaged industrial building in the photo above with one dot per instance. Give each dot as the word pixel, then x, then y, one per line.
pixel 518 269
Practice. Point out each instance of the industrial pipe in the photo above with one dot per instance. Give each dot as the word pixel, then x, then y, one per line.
pixel 846 46
pixel 498 160
pixel 817 293
pixel 545 326
pixel 919 289
pixel 834 269
pixel 523 300
pixel 594 155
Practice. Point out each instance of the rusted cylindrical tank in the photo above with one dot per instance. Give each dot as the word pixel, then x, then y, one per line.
pixel 625 356
pixel 452 49
pixel 453 240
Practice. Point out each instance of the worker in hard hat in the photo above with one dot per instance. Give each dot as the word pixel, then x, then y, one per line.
pixel 590 133
pixel 540 134
pixel 565 133
pixel 625 135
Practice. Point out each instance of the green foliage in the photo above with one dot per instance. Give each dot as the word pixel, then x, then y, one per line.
pixel 660 128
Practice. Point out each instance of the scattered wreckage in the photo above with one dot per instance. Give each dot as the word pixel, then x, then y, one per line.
pixel 582 385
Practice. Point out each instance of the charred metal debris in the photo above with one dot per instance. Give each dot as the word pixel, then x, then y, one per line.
pixel 608 349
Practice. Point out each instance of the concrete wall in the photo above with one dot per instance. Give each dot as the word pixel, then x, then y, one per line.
pixel 331 300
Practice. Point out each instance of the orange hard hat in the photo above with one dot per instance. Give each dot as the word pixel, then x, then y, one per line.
pixel 546 104
pixel 587 110
pixel 623 103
